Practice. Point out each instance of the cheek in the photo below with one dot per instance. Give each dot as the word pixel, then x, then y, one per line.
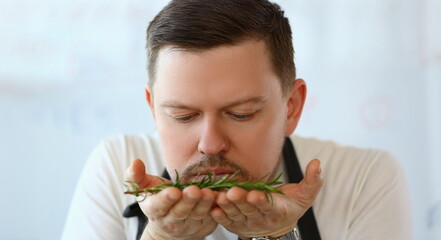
pixel 262 145
pixel 177 144
pixel 272 144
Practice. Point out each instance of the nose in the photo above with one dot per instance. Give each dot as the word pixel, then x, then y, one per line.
pixel 212 139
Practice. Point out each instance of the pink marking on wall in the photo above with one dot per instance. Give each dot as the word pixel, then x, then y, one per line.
pixel 377 111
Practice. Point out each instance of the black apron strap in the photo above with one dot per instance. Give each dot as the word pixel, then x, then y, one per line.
pixel 307 224
pixel 133 210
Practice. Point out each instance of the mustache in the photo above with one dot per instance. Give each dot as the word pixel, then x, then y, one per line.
pixel 213 161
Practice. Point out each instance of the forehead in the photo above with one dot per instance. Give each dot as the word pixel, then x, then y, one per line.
pixel 223 72
pixel 250 54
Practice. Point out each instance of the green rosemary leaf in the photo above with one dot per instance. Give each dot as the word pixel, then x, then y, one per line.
pixel 221 180
pixel 261 178
pixel 143 198
pixel 233 176
pixel 178 181
pixel 210 181
pixel 161 179
pixel 135 187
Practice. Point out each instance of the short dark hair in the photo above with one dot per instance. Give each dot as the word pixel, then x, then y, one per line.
pixel 206 24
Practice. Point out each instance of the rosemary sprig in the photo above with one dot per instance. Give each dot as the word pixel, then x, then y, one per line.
pixel 210 181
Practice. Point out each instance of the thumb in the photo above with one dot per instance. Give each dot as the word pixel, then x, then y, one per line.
pixel 136 172
pixel 306 191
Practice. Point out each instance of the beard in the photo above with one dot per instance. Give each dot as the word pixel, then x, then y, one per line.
pixel 220 161
pixel 215 161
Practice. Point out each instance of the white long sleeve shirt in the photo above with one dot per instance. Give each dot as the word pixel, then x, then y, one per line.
pixel 364 196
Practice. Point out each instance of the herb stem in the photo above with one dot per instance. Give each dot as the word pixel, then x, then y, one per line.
pixel 212 182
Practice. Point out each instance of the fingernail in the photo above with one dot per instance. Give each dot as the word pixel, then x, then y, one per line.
pixel 319 170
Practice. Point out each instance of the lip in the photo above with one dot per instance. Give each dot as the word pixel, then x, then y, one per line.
pixel 217 171
pixel 200 177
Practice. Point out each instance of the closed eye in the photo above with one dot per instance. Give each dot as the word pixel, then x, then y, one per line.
pixel 241 117
pixel 184 119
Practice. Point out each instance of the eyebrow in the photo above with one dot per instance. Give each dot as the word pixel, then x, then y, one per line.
pixel 254 100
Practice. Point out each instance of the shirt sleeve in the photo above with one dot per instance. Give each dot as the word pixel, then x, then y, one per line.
pixel 381 208
pixel 98 202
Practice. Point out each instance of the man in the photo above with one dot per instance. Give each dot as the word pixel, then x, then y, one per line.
pixel 224 95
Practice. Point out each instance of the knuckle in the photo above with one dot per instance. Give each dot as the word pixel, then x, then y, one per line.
pixel 196 217
pixel 152 209
pixel 237 218
pixel 226 222
pixel 177 215
pixel 158 211
pixel 267 211
pixel 252 214
pixel 174 230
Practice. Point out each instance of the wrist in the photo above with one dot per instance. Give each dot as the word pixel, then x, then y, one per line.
pixel 293 234
pixel 150 234
pixel 283 231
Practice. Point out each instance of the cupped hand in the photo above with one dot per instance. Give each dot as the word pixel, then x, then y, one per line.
pixel 172 213
pixel 250 214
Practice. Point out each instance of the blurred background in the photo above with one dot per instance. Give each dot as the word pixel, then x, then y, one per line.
pixel 72 72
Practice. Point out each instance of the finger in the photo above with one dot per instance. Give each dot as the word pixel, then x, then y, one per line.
pixel 158 205
pixel 136 172
pixel 238 196
pixel 184 207
pixel 313 181
pixel 202 208
pixel 221 217
pixel 229 208
pixel 207 223
pixel 310 185
pixel 260 201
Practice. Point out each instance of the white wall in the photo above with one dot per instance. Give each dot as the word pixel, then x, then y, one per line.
pixel 72 72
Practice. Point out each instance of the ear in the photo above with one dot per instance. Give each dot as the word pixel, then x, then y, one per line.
pixel 295 101
pixel 149 98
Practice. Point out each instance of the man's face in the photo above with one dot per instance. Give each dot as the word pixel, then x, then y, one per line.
pixel 221 110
